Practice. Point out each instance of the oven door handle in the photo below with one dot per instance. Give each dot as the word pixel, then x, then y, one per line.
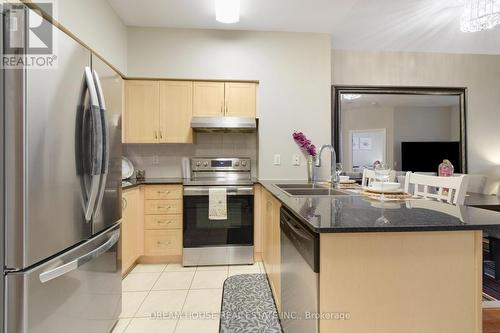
pixel 191 191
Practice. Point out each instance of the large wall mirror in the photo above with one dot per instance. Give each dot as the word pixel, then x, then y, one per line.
pixel 409 129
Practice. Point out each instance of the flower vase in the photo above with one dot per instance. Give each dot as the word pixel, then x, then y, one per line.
pixel 311 170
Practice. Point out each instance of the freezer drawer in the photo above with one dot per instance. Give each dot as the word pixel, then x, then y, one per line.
pixel 77 292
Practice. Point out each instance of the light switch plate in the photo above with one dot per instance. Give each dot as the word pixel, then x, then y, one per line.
pixel 277 159
pixel 295 160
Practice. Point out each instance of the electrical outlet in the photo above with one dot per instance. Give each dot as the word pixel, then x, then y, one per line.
pixel 156 159
pixel 277 159
pixel 295 160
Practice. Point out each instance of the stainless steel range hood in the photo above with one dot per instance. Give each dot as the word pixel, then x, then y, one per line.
pixel 224 124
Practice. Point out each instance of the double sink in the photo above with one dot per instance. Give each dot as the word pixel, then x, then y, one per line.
pixel 307 190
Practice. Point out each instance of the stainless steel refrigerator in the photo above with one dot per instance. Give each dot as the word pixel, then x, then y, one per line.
pixel 61 198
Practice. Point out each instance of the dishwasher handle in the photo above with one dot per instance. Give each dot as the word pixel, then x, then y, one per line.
pixel 297 229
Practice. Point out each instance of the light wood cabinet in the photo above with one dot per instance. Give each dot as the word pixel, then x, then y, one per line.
pixel 163 192
pixel 176 111
pixel 257 213
pixel 163 206
pixel 224 99
pixel 158 111
pixel 427 281
pixel 151 225
pixel 130 242
pixel 163 242
pixel 271 252
pixel 208 99
pixel 240 99
pixel 161 111
pixel 163 223
pixel 142 112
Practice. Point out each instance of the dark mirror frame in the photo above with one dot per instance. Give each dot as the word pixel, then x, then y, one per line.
pixel 337 91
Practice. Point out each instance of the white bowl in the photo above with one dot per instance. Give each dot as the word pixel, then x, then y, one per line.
pixel 385 186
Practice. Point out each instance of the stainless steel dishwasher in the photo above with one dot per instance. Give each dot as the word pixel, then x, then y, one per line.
pixel 299 275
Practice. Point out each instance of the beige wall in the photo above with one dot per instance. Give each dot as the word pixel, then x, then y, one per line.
pixel 293 70
pixel 479 73
pixel 97 25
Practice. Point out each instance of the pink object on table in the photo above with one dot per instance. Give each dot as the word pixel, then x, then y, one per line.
pixel 445 169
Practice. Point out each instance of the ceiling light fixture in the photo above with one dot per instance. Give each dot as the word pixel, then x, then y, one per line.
pixel 480 15
pixel 350 97
pixel 227 11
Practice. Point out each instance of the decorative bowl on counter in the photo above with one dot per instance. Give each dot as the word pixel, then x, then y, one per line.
pixel 385 186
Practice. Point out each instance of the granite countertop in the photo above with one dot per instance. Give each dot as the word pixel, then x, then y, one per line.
pixel 356 213
pixel 132 182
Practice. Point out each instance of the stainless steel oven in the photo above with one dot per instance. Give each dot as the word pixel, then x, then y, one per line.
pixel 218 242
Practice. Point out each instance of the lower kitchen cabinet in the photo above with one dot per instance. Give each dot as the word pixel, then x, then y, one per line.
pixel 163 242
pixel 271 252
pixel 151 225
pixel 163 223
pixel 131 237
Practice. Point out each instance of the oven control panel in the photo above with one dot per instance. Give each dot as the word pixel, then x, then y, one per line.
pixel 219 164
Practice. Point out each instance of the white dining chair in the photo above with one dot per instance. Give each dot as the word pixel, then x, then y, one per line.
pixel 448 189
pixel 476 183
pixel 369 177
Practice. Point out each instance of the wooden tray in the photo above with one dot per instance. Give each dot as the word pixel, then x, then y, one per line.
pixel 387 196
pixel 369 190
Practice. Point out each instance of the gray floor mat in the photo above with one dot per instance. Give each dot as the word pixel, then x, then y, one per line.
pixel 248 306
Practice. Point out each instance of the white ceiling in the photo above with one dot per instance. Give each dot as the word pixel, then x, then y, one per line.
pixel 403 25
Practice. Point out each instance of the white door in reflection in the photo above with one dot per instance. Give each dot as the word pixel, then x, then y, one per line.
pixel 366 147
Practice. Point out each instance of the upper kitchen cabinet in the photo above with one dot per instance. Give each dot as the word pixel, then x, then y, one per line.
pixel 219 99
pixel 161 111
pixel 208 99
pixel 240 99
pixel 176 111
pixel 142 112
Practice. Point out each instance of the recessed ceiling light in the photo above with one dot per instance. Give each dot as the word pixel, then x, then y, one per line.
pixel 227 11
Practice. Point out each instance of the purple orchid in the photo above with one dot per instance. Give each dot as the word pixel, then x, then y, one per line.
pixel 304 143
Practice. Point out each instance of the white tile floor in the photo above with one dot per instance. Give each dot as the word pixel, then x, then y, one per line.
pixel 180 294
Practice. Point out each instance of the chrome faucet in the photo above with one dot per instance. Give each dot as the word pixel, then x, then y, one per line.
pixel 334 177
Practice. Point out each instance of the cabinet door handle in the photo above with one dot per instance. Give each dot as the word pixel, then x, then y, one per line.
pixel 163 192
pixel 156 135
pixel 163 222
pixel 162 243
pixel 164 207
pixel 226 110
pixel 161 135
pixel 124 203
pixel 222 108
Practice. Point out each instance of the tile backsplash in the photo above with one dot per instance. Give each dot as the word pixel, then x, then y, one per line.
pixel 206 145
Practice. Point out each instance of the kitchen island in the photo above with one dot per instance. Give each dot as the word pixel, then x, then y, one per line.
pixel 408 266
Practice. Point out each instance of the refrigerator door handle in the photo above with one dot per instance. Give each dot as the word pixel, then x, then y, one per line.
pixel 96 145
pixel 105 142
pixel 74 264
